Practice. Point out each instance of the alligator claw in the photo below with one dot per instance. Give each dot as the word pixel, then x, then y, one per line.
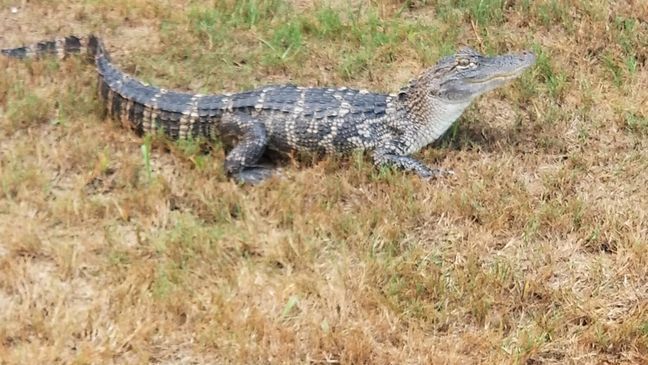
pixel 253 175
pixel 436 173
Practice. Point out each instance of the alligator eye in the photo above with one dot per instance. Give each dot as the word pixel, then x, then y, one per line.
pixel 463 62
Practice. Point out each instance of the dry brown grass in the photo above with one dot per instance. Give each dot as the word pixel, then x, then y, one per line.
pixel 535 253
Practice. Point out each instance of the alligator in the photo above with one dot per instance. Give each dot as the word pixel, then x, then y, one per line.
pixel 289 118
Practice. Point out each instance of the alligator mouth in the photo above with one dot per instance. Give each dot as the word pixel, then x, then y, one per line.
pixel 503 76
pixel 527 62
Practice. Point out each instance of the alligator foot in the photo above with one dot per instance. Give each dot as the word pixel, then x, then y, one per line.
pixel 435 173
pixel 408 163
pixel 253 175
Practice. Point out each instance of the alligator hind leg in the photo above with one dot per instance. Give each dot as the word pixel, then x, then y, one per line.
pixel 241 161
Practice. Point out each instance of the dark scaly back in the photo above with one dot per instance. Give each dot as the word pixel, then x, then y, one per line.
pixel 137 105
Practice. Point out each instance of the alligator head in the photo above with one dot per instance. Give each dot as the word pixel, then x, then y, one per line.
pixel 462 77
pixel 436 98
pixel 469 74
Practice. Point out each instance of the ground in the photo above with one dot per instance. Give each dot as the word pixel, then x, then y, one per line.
pixel 119 249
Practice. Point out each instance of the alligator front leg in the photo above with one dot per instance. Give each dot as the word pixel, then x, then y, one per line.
pixel 241 161
pixel 388 157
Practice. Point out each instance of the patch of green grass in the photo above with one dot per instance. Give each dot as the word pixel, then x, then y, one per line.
pixel 555 81
pixel 146 157
pixel 286 42
pixel 367 42
pixel 643 329
pixel 209 24
pixel 631 64
pixel 636 123
pixel 164 282
pixel 596 11
pixel 356 64
pixel 614 69
pixel 529 342
pixel 528 87
pixel 121 259
pixel 554 12
pixel 251 12
pixel 485 12
pixel 217 22
pixel 627 34
pixel 290 306
pixel 329 23
pixel 196 151
pixel 375 42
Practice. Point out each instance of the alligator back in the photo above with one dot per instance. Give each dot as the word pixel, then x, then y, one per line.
pixel 295 117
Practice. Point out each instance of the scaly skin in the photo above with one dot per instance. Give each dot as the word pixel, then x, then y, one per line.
pixel 287 118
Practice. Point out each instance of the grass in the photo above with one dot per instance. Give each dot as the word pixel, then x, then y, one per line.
pixel 121 249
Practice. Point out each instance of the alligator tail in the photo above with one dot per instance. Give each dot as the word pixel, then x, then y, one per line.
pixel 60 47
pixel 137 105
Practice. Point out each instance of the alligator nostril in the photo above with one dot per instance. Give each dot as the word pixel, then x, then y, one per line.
pixel 528 55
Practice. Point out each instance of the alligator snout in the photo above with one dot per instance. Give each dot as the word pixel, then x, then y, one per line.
pixel 528 57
